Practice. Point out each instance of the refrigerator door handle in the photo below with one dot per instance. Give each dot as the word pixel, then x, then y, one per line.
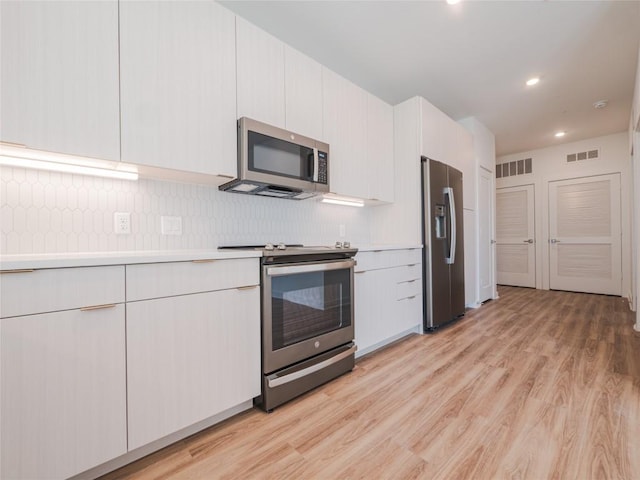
pixel 448 191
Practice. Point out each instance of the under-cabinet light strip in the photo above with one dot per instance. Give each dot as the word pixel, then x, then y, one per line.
pixel 349 203
pixel 66 168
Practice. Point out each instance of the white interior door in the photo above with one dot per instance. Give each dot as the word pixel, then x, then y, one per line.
pixel 485 235
pixel 515 236
pixel 584 235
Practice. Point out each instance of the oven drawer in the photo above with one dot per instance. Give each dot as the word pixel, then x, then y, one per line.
pixel 290 382
pixel 155 280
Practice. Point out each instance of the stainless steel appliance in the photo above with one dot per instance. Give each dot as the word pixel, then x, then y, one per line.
pixel 442 235
pixel 307 319
pixel 275 162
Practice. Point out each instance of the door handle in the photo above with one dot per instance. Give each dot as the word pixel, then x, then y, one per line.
pixel 529 241
pixel 554 240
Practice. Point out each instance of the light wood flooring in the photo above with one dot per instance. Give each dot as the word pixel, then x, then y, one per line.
pixel 534 385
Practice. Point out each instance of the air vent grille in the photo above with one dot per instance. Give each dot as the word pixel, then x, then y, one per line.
pixel 516 167
pixel 587 155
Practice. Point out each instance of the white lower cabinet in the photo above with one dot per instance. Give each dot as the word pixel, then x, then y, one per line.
pixel 89 373
pixel 190 357
pixel 63 380
pixel 388 291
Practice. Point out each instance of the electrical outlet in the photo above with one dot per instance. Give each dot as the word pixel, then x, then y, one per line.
pixel 343 231
pixel 122 223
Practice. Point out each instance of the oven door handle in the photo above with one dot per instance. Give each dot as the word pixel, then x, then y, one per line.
pixel 277 381
pixel 311 267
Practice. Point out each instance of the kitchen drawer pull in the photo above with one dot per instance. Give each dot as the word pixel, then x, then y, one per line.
pixel 204 260
pixel 12 144
pixel 97 307
pixel 20 270
pixel 247 287
pixel 360 273
pixel 407 298
pixel 225 176
pixel 412 265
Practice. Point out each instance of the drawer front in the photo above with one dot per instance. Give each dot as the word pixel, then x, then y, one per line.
pixel 50 290
pixel 155 280
pixel 410 272
pixel 387 258
pixel 408 289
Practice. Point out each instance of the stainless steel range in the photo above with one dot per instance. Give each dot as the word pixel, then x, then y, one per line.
pixel 307 319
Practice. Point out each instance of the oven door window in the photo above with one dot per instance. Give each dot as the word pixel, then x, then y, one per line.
pixel 279 157
pixel 307 305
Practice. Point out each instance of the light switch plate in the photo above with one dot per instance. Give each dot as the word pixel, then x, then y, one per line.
pixel 170 225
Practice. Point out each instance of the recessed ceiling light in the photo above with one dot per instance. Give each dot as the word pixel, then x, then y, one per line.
pixel 532 81
pixel 453 2
pixel 600 104
pixel 560 134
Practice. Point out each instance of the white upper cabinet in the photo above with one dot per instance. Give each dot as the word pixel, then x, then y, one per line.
pixel 345 130
pixel 277 84
pixel 380 149
pixel 178 93
pixel 260 70
pixel 59 80
pixel 447 141
pixel 303 91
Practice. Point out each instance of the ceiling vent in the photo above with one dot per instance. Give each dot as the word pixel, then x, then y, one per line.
pixel 588 155
pixel 516 167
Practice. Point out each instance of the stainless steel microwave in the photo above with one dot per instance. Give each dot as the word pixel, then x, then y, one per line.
pixel 274 162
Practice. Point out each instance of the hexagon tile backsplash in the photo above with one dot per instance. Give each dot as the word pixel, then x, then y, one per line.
pixel 51 212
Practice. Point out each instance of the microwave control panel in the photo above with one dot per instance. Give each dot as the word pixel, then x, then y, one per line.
pixel 322 167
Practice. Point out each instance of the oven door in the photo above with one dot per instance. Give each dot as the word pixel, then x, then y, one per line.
pixel 307 310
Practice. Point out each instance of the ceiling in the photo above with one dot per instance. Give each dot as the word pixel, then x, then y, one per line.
pixel 473 58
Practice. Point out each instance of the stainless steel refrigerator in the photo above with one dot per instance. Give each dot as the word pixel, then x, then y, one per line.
pixel 443 240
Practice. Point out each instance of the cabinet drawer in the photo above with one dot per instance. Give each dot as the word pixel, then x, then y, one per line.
pixel 156 280
pixel 408 289
pixel 387 258
pixel 410 272
pixel 50 290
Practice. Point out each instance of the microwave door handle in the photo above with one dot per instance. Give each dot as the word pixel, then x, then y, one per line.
pixel 316 164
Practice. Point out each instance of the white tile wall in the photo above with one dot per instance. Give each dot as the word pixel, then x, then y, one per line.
pixel 50 212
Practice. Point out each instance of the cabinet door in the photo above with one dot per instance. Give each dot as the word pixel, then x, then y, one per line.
pixel 189 358
pixel 260 70
pixel 375 298
pixel 303 81
pixel 178 86
pixel 63 392
pixel 345 120
pixel 59 77
pixel 380 149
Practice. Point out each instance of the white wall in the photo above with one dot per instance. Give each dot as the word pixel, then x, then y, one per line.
pixel 48 212
pixel 550 164
pixel 634 132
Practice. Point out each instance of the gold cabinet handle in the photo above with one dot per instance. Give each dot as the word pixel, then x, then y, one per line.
pixel 19 270
pixel 97 307
pixel 248 287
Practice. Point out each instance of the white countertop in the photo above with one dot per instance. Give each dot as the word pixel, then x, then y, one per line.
pixel 374 247
pixel 90 259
